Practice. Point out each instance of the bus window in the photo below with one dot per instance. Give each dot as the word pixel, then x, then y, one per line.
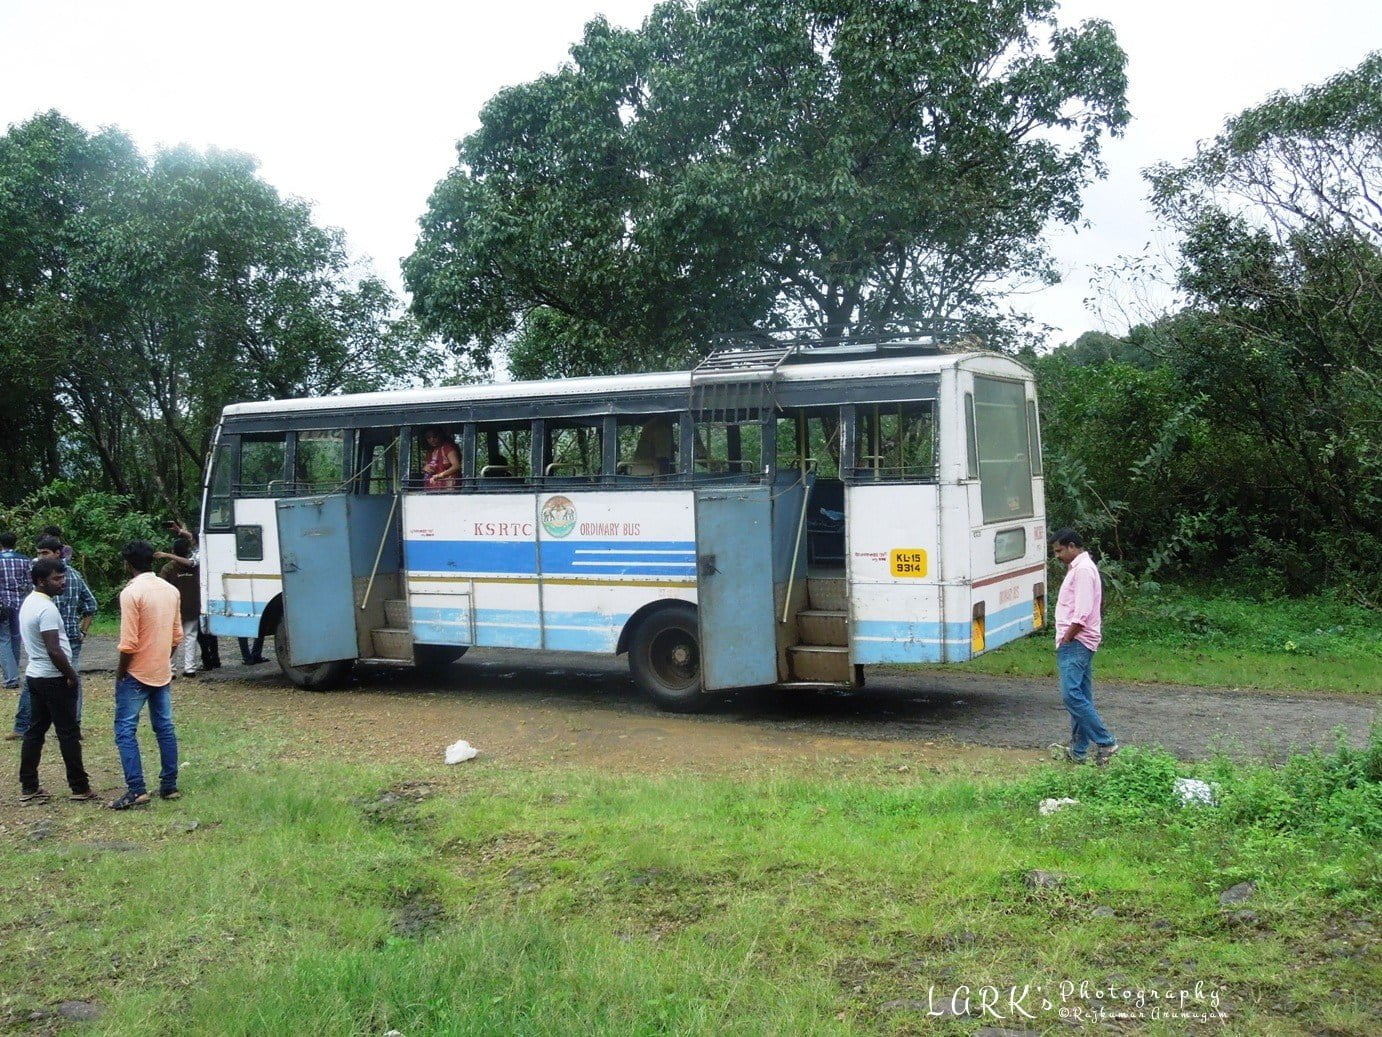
pixel 319 461
pixel 573 451
pixel 729 447
pixel 439 450
pixel 506 451
pixel 895 442
pixel 219 515
pixel 1005 470
pixel 648 445
pixel 813 436
pixel 1033 437
pixel 376 460
pixel 263 459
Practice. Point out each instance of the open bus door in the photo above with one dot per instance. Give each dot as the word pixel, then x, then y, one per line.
pixel 734 556
pixel 318 601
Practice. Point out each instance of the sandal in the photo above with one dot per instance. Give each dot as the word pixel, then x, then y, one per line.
pixel 39 795
pixel 169 794
pixel 130 799
pixel 83 797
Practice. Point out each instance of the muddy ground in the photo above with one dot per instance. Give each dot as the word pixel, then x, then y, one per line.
pixel 539 706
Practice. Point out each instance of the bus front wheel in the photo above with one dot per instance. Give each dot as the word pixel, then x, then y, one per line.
pixel 665 657
pixel 314 676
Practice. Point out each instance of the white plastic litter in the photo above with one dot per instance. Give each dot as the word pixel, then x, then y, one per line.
pixel 1050 806
pixel 459 752
pixel 1193 790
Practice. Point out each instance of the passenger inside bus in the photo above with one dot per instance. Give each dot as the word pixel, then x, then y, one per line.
pixel 655 450
pixel 443 465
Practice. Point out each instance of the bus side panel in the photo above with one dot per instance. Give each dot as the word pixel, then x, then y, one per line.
pixel 471 567
pixel 894 573
pixel 606 555
pixel 1006 588
pixel 238 590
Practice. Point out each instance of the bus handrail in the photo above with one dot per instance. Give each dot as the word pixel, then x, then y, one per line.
pixel 378 555
pixel 808 469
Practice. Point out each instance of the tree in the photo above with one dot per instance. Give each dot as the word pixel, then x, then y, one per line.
pixel 1282 261
pixel 139 297
pixel 743 163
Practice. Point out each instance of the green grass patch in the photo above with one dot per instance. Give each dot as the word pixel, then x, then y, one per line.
pixel 1178 636
pixel 354 899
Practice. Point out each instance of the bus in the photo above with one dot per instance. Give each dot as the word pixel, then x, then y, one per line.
pixel 784 514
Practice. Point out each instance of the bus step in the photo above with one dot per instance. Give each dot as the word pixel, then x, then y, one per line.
pixel 827 592
pixel 823 627
pixel 392 643
pixel 827 664
pixel 397 613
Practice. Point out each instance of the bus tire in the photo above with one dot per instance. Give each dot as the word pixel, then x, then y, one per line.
pixel 665 657
pixel 435 657
pixel 315 676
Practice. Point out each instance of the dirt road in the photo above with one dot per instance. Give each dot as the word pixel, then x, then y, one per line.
pixel 586 709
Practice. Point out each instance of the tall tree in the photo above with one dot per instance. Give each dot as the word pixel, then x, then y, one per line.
pixel 148 294
pixel 758 162
pixel 1282 261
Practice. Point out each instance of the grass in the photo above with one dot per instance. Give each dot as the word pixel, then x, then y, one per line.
pixel 1180 636
pixel 339 898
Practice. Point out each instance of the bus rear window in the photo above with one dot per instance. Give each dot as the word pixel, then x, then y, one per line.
pixel 895 442
pixel 1005 468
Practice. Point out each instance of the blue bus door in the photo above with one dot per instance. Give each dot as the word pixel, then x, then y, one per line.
pixel 734 562
pixel 318 600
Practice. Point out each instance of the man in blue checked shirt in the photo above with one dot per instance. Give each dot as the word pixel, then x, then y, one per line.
pixel 77 605
pixel 15 585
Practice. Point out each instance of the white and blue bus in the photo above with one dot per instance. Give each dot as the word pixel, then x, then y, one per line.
pixel 783 515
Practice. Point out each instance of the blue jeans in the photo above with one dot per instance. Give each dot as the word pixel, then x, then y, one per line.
pixel 22 714
pixel 9 654
pixel 1075 664
pixel 130 697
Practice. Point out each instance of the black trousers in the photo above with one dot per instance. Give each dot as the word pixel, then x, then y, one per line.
pixel 52 703
pixel 210 649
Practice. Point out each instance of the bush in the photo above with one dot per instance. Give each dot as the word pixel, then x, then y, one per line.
pixel 1314 795
pixel 95 523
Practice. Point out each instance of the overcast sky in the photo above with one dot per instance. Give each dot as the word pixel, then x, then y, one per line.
pixel 357 107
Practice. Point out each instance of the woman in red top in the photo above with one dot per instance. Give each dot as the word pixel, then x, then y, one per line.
pixel 443 460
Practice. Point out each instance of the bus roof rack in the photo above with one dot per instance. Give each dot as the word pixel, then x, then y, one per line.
pixel 757 347
pixel 737 375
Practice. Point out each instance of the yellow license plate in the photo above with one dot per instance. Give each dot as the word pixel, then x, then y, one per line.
pixel 908 562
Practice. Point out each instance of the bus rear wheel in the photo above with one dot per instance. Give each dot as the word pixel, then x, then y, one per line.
pixel 314 676
pixel 665 657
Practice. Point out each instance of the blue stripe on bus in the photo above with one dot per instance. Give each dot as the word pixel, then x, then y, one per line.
pixel 519 628
pixel 911 641
pixel 471 556
pixel 558 557
pixel 906 641
pixel 243 621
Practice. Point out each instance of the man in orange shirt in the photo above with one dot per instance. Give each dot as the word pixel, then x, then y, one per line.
pixel 150 628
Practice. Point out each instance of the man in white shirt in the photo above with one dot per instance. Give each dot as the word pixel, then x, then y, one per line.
pixel 52 682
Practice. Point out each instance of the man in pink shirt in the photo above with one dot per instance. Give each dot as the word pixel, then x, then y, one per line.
pixel 150 626
pixel 1078 633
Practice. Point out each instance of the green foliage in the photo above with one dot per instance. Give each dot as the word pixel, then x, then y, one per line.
pixel 740 163
pixel 1312 796
pixel 139 296
pixel 96 524
pixel 1239 437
